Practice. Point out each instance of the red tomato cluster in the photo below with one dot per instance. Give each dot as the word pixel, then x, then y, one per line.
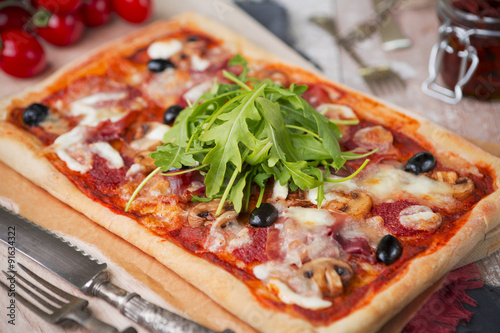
pixel 59 22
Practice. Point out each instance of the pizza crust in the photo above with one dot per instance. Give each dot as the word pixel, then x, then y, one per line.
pixel 21 152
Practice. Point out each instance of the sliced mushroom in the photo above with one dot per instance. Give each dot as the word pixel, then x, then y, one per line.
pixel 357 204
pixel 462 187
pixel 329 274
pixel 225 219
pixel 204 212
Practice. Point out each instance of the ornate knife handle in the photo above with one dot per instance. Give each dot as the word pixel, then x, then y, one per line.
pixel 148 315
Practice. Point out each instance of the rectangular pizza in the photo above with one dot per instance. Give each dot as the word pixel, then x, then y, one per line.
pixel 297 204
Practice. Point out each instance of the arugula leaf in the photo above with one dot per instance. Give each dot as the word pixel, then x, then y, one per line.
pixel 246 132
pixel 172 156
pixel 235 127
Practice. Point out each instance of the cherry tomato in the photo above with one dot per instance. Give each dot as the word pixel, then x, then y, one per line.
pixel 60 6
pixel 13 18
pixel 21 54
pixel 62 30
pixel 96 12
pixel 134 11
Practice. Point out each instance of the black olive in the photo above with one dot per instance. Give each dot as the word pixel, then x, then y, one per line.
pixel 389 250
pixel 34 114
pixel 171 113
pixel 193 39
pixel 159 65
pixel 263 216
pixel 420 163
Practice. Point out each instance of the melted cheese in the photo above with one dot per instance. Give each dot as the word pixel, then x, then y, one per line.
pixel 384 182
pixel 195 92
pixel 288 296
pixel 135 169
pixel 164 49
pixel 279 191
pixel 262 271
pixel 199 64
pixel 92 115
pixel 337 111
pixel 158 132
pixel 68 140
pixel 310 217
pixel 112 157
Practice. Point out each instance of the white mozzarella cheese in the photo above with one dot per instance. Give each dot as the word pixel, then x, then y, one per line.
pixel 262 271
pixel 164 49
pixel 386 181
pixel 198 63
pixel 195 92
pixel 312 194
pixel 310 217
pixel 158 132
pixel 288 296
pixel 93 115
pixel 134 169
pixel 345 186
pixel 101 97
pixel 69 140
pixel 419 218
pixel 337 111
pixel 279 191
pixel 106 151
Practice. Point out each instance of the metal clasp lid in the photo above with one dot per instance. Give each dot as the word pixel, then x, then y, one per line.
pixel 469 53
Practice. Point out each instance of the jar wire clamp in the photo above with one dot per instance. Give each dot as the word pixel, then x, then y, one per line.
pixel 467 54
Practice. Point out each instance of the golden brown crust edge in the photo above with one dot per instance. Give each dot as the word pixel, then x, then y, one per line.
pixel 21 153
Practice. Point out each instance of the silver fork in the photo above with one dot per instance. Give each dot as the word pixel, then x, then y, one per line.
pixel 378 78
pixel 60 304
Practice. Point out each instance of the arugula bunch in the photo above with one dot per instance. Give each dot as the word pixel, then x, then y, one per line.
pixel 248 131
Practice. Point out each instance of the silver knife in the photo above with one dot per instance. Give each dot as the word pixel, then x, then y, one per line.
pixel 87 274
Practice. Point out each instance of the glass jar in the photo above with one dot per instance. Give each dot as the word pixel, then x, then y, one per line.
pixel 466 56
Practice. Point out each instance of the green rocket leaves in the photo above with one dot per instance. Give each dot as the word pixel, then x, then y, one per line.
pixel 248 131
